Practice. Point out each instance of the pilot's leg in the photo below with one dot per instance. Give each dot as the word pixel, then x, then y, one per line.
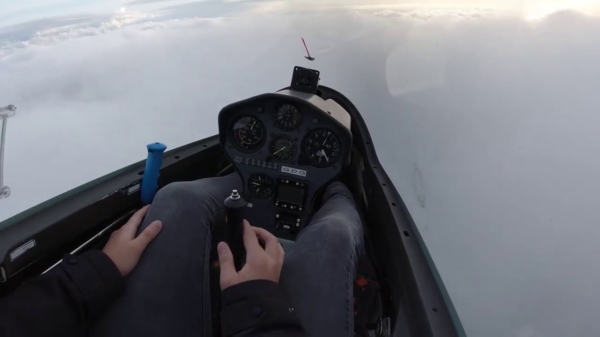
pixel 168 293
pixel 320 269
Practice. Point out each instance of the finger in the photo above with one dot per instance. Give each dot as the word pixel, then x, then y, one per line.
pixel 139 215
pixel 271 243
pixel 136 219
pixel 148 235
pixel 228 273
pixel 250 240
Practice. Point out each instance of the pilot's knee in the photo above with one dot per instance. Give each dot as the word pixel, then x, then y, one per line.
pixel 338 189
pixel 342 227
pixel 334 227
pixel 171 192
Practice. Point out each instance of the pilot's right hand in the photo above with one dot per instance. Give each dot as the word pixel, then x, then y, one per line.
pixel 261 264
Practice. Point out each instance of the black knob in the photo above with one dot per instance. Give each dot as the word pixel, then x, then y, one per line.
pixel 234 234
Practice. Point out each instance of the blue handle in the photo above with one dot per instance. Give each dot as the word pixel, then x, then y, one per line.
pixel 152 172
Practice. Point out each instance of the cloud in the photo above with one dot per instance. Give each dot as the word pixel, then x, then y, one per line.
pixel 143 2
pixel 500 117
pixel 487 124
pixel 45 32
pixel 207 9
pixel 26 30
pixel 120 22
pixel 427 13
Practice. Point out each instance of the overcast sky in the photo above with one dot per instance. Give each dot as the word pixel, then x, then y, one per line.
pixel 484 114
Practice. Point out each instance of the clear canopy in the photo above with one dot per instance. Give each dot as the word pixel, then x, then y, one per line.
pixel 484 114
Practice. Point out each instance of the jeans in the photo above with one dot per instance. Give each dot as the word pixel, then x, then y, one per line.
pixel 168 293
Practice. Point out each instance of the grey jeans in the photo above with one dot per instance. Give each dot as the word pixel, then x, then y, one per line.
pixel 168 293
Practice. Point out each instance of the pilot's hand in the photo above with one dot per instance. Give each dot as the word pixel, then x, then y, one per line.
pixel 261 264
pixel 124 249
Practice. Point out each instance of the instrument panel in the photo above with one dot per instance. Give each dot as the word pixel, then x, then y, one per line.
pixel 286 146
pixel 321 146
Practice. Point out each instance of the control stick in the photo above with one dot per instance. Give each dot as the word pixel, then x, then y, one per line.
pixel 234 234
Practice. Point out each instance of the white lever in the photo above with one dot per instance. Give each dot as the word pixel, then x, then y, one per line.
pixel 5 113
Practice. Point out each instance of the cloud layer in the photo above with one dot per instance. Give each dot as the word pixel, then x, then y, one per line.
pixel 486 123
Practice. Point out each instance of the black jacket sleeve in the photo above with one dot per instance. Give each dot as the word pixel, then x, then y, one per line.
pixel 61 301
pixel 258 308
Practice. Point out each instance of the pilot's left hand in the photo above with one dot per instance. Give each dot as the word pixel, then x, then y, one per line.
pixel 124 249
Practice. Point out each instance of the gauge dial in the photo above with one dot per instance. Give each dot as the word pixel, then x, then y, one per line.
pixel 322 147
pixel 261 185
pixel 248 133
pixel 288 117
pixel 283 148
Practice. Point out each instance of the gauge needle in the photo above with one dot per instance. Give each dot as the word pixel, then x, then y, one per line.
pixel 283 148
pixel 325 155
pixel 326 138
pixel 252 127
pixel 257 184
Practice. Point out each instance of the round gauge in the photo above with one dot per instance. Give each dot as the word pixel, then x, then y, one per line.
pixel 261 185
pixel 322 147
pixel 248 133
pixel 288 117
pixel 283 148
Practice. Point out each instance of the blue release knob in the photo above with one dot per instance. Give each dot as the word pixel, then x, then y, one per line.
pixel 152 172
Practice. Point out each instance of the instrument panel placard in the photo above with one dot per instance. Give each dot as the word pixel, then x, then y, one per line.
pixel 294 171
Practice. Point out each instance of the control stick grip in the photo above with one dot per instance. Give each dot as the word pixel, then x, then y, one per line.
pixel 234 233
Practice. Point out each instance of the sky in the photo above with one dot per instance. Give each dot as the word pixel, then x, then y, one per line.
pixel 484 114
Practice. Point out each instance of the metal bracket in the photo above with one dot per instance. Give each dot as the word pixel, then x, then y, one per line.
pixel 5 113
pixel 384 327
